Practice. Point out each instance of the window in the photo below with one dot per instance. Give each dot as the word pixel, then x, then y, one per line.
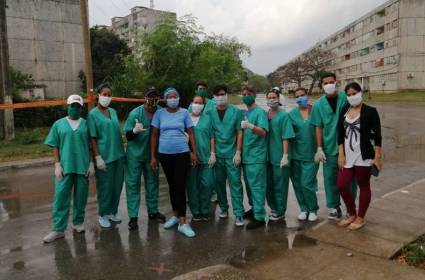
pixel 395 24
pixel 377 47
pixel 364 51
pixel 381 13
pixel 379 30
pixel 379 62
pixel 391 60
pixel 347 57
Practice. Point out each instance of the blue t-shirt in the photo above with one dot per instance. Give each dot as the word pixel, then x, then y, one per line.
pixel 172 126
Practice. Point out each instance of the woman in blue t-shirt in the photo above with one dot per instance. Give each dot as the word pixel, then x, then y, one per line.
pixel 173 125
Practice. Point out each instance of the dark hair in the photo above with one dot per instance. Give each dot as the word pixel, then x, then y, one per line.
pixel 203 98
pixel 219 88
pixel 272 91
pixel 250 89
pixel 354 86
pixel 200 83
pixel 102 86
pixel 151 91
pixel 302 89
pixel 326 75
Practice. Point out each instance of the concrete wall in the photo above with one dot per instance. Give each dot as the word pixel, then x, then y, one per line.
pixel 45 40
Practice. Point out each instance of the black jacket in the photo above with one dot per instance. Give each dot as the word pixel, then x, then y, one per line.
pixel 370 130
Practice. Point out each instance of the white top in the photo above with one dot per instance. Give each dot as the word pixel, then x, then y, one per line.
pixel 353 155
pixel 74 123
pixel 195 119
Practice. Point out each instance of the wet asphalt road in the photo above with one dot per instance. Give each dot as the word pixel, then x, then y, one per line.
pixel 154 253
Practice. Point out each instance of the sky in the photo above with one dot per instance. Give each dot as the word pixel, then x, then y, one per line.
pixel 275 30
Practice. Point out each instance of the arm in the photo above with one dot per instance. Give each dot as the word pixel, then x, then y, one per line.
pixel 319 132
pixel 341 156
pixel 259 131
pixel 94 147
pixel 285 144
pixel 56 156
pixel 212 145
pixel 193 145
pixel 239 140
pixel 154 141
pixel 378 141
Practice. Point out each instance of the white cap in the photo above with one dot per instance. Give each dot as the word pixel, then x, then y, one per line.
pixel 75 98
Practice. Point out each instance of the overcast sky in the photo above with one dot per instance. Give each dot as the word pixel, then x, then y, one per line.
pixel 276 30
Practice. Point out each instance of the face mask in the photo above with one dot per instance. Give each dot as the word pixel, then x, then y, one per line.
pixel 173 102
pixel 105 100
pixel 197 108
pixel 273 103
pixel 221 100
pixel 355 100
pixel 329 89
pixel 248 100
pixel 74 113
pixel 302 101
pixel 201 92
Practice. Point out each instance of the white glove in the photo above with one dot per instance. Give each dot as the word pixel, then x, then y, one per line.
pixel 100 163
pixel 284 161
pixel 187 137
pixel 90 172
pixel 320 155
pixel 247 124
pixel 212 160
pixel 237 158
pixel 58 171
pixel 138 127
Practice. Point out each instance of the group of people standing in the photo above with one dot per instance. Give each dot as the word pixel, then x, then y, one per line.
pixel 209 146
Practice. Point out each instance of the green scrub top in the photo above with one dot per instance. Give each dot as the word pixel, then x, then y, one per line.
pixel 254 149
pixel 226 130
pixel 280 129
pixel 303 146
pixel 203 135
pixel 107 133
pixel 73 145
pixel 209 106
pixel 139 148
pixel 323 116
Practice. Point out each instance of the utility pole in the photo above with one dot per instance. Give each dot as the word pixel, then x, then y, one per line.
pixel 87 49
pixel 7 128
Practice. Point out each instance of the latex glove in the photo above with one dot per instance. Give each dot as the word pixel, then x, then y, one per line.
pixel 90 172
pixel 237 158
pixel 284 161
pixel 138 127
pixel 100 163
pixel 247 124
pixel 320 155
pixel 212 160
pixel 187 137
pixel 58 171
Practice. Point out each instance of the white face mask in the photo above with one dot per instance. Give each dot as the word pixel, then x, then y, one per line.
pixel 329 89
pixel 197 108
pixel 105 100
pixel 221 100
pixel 355 100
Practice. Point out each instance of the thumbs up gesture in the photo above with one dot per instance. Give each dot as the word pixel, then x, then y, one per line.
pixel 138 127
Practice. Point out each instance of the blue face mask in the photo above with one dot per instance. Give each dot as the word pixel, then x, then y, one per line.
pixel 173 102
pixel 302 101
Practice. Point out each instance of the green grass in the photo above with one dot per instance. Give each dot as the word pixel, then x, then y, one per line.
pixel 234 99
pixel 404 97
pixel 414 253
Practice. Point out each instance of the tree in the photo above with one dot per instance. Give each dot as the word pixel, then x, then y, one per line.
pixel 315 63
pixel 260 82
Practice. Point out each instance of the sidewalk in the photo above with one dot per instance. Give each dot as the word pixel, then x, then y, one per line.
pixel 9 165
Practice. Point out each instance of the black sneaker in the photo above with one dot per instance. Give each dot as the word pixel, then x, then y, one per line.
pixel 253 224
pixel 205 217
pixel 248 214
pixel 197 218
pixel 132 224
pixel 157 216
pixel 335 214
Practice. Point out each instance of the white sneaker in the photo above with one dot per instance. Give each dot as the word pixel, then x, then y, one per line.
pixel 312 217
pixel 214 198
pixel 115 218
pixel 302 216
pixel 239 222
pixel 104 222
pixel 78 228
pixel 53 236
pixel 275 217
pixel 223 214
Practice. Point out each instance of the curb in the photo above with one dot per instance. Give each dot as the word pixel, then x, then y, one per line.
pixel 11 165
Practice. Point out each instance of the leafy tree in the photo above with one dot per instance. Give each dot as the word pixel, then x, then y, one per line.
pixel 261 83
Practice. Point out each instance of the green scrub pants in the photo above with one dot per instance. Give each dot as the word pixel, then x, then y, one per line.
pixel 133 172
pixel 255 177
pixel 199 187
pixel 277 188
pixel 109 186
pixel 62 200
pixel 224 169
pixel 304 181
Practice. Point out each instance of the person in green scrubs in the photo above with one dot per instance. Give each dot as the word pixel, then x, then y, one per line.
pixel 108 150
pixel 137 131
pixel 69 138
pixel 302 149
pixel 226 122
pixel 201 89
pixel 254 155
pixel 280 132
pixel 200 180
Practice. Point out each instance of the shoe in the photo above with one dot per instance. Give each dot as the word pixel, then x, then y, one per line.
pixel 302 216
pixel 356 226
pixel 275 217
pixel 186 230
pixel 205 217
pixel 115 218
pixel 53 236
pixel 197 218
pixel 248 214
pixel 239 222
pixel 132 224
pixel 157 216
pixel 312 216
pixel 214 198
pixel 253 224
pixel 347 221
pixel 335 214
pixel 173 221
pixel 78 228
pixel 104 221
pixel 223 214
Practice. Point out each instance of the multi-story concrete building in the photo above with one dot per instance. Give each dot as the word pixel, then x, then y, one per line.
pixel 45 40
pixel 383 50
pixel 139 20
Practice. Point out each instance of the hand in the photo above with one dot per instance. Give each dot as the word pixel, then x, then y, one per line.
pixel 237 158
pixel 193 159
pixel 378 163
pixel 284 161
pixel 212 160
pixel 341 161
pixel 187 137
pixel 138 127
pixel 58 171
pixel 320 155
pixel 90 172
pixel 154 163
pixel 247 124
pixel 100 163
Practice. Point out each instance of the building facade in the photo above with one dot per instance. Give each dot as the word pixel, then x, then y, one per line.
pixel 383 50
pixel 45 40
